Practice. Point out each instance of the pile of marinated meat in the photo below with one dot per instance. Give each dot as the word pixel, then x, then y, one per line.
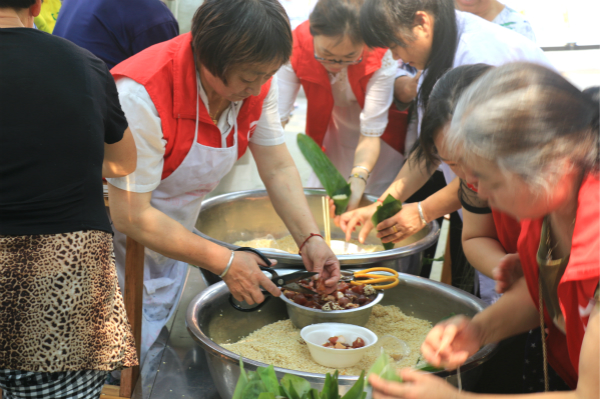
pixel 339 342
pixel 346 296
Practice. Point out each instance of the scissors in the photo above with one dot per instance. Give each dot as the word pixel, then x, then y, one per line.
pixel 288 281
pixel 365 276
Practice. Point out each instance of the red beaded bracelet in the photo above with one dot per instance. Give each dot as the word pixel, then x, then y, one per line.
pixel 379 200
pixel 305 241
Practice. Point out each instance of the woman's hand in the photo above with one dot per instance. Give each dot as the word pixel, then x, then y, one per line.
pixel 450 343
pixel 402 225
pixel 318 258
pixel 417 385
pixel 360 216
pixel 507 272
pixel 245 278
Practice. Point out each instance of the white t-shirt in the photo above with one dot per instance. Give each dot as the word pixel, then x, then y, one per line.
pixel 480 41
pixel 145 125
pixel 510 19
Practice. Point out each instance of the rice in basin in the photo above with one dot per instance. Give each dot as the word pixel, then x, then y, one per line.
pixel 280 343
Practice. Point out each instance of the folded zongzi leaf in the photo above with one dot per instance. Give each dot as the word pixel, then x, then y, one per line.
pixel 385 369
pixel 386 210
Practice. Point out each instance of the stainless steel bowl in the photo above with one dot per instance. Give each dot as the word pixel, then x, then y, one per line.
pixel 212 321
pixel 302 316
pixel 247 215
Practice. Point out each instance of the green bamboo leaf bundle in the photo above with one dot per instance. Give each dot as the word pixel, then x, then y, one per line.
pixel 385 369
pixel 386 210
pixel 263 384
pixel 332 180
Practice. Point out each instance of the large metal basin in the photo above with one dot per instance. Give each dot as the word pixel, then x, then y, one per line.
pixel 211 321
pixel 247 215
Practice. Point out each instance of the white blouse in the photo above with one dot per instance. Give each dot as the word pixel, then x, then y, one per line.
pixel 145 125
pixel 372 118
pixel 481 41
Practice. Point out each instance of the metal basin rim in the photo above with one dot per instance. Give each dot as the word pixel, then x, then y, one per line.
pixel 216 350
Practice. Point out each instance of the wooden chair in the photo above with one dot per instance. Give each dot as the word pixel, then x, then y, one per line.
pixel 133 297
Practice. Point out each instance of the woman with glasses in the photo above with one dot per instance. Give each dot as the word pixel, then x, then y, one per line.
pixel 349 92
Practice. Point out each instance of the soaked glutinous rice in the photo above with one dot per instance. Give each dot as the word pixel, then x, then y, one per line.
pixel 288 244
pixel 280 343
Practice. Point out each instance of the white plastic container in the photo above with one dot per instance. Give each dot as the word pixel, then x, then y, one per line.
pixel 316 335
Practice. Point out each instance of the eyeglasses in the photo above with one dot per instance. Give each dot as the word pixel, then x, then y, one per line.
pixel 332 62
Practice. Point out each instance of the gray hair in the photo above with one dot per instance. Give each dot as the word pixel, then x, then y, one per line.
pixel 528 120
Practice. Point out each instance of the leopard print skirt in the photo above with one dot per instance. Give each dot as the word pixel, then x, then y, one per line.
pixel 61 308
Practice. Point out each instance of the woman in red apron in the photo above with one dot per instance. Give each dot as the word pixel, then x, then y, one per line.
pixel 544 171
pixel 195 104
pixel 348 89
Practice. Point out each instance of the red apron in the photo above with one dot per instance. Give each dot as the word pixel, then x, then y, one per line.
pixel 577 285
pixel 195 161
pixel 168 73
pixel 315 81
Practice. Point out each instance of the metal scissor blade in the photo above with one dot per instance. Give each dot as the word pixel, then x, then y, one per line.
pixel 290 281
pixel 292 278
pixel 298 288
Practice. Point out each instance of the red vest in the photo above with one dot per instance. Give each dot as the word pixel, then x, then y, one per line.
pixel 315 81
pixel 578 283
pixel 168 73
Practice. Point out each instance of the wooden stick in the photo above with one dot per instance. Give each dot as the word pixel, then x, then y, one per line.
pixel 326 221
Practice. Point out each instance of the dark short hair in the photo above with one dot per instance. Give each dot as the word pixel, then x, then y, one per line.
pixel 335 18
pixel 16 4
pixel 382 20
pixel 229 33
pixel 439 111
pixel 593 93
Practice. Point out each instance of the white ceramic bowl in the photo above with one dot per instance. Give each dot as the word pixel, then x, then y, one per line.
pixel 316 335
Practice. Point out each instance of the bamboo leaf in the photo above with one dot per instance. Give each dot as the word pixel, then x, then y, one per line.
pixel 269 378
pixel 429 368
pixel 379 364
pixel 358 389
pixel 267 395
pixel 385 369
pixel 331 179
pixel 253 376
pixel 390 373
pixel 341 198
pixel 254 389
pixel 242 382
pixel 386 210
pixel 330 388
pixel 295 386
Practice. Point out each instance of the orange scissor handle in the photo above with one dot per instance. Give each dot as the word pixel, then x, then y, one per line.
pixel 377 278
